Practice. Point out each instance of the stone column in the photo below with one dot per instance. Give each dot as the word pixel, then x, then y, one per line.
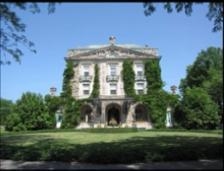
pixel 169 117
pixel 86 118
pixel 103 118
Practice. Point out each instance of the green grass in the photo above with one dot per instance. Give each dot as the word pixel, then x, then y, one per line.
pixel 112 145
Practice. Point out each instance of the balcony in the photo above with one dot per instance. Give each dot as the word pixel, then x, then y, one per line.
pixel 112 78
pixel 84 78
pixel 140 78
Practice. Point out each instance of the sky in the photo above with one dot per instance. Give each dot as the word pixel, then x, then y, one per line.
pixel 179 39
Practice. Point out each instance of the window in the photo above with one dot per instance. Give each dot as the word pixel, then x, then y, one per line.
pixel 86 73
pixel 140 88
pixel 140 92
pixel 113 92
pixel 113 88
pixel 86 86
pixel 85 92
pixel 85 89
pixel 139 73
pixel 113 69
pixel 139 69
pixel 85 68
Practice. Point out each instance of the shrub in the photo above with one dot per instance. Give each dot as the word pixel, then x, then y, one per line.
pixel 30 114
pixel 199 110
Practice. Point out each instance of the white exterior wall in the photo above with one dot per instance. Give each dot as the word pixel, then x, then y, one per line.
pixel 102 78
pixel 104 70
pixel 79 72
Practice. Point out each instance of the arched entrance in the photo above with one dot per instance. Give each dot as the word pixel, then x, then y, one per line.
pixel 141 113
pixel 113 114
pixel 86 111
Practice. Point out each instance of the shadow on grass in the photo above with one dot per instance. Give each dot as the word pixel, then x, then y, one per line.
pixel 136 149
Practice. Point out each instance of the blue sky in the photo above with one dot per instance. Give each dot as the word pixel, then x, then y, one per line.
pixel 179 39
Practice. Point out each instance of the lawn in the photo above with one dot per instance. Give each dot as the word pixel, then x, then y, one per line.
pixel 112 145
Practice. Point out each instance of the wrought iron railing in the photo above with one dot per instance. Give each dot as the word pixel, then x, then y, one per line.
pixel 112 78
pixel 84 78
pixel 140 78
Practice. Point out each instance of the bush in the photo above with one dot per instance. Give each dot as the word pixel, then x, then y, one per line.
pixel 200 112
pixel 30 114
pixel 12 121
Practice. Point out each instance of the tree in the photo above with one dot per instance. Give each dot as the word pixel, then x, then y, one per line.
pixel 53 103
pixel 12 30
pixel 207 64
pixel 30 114
pixel 199 110
pixel 6 108
pixel 206 73
pixel 215 11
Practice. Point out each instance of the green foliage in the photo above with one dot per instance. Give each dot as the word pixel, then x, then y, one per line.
pixel 156 99
pixel 199 110
pixel 215 11
pixel 206 73
pixel 6 108
pixel 13 122
pixel 153 75
pixel 207 65
pixel 128 77
pixel 156 102
pixel 30 114
pixel 52 103
pixel 72 113
pixel 12 29
pixel 67 76
pixel 96 84
pixel 71 106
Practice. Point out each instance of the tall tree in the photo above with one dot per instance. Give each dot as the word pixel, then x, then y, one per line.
pixel 12 30
pixel 206 73
pixel 215 11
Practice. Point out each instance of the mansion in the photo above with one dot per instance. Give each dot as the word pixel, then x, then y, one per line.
pixel 112 107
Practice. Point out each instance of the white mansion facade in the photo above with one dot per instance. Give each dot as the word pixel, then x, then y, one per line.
pixel 112 107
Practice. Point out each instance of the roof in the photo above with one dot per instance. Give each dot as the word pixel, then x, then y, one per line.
pixel 119 49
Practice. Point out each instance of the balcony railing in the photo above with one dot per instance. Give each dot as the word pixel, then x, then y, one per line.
pixel 112 78
pixel 84 78
pixel 140 78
